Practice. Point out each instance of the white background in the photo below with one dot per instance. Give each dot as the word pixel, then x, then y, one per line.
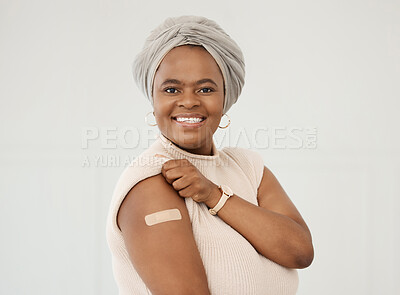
pixel 65 68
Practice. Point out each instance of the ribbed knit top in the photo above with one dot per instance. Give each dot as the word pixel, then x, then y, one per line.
pixel 232 264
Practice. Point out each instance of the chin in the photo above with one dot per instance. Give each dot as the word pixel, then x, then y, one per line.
pixel 188 139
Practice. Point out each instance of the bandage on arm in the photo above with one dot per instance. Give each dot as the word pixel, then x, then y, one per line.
pixel 161 247
pixel 163 216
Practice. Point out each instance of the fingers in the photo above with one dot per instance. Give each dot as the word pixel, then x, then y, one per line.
pixel 174 171
pixel 172 174
pixel 172 163
pixel 187 192
pixel 176 163
pixel 177 168
pixel 180 183
pixel 180 173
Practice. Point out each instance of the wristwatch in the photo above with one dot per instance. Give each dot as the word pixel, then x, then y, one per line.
pixel 226 193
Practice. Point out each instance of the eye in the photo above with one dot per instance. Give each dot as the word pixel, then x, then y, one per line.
pixel 208 90
pixel 169 88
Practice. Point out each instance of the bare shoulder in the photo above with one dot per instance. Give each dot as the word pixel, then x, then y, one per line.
pixel 164 254
pixel 151 194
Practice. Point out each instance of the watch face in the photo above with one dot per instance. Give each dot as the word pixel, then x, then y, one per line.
pixel 227 189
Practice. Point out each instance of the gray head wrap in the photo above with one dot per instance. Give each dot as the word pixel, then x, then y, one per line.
pixel 196 30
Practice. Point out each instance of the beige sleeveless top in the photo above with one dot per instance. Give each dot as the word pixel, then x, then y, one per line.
pixel 232 264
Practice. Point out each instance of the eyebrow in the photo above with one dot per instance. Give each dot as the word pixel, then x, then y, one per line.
pixel 199 82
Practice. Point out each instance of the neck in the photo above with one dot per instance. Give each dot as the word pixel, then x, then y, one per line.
pixel 203 150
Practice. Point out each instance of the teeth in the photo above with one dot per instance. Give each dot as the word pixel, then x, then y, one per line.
pixel 190 120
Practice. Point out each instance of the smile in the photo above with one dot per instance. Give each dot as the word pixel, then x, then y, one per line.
pixel 193 122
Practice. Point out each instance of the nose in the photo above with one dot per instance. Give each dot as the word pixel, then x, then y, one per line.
pixel 188 100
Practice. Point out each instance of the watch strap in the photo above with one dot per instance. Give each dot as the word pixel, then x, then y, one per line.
pixel 224 197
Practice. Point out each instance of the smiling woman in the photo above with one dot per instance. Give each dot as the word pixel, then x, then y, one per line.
pixel 188 108
pixel 185 217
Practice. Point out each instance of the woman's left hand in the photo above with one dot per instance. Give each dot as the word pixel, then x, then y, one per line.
pixel 187 180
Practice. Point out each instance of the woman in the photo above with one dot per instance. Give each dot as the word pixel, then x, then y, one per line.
pixel 186 218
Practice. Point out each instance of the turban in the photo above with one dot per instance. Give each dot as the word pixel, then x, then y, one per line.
pixel 195 30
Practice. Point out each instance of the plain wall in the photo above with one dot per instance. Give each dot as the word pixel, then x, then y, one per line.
pixel 326 68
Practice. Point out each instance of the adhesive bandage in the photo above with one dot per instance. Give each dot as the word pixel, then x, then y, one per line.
pixel 163 216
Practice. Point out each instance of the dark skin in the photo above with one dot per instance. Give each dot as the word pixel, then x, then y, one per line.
pixel 190 93
pixel 168 265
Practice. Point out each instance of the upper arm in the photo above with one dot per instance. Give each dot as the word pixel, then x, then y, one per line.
pixel 273 197
pixel 165 255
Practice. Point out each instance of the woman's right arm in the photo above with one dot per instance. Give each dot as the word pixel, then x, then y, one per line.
pixel 165 255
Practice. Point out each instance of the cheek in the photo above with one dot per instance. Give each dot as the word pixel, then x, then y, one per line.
pixel 160 107
pixel 216 107
pixel 215 114
pixel 162 112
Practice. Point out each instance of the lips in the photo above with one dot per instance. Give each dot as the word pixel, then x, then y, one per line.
pixel 189 115
pixel 190 123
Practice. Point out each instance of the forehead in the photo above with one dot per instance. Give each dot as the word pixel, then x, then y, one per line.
pixel 188 62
